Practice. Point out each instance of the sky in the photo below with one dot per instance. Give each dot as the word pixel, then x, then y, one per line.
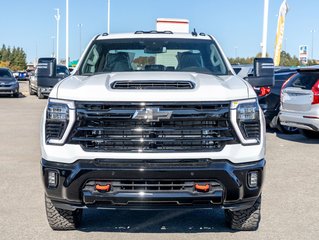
pixel 236 24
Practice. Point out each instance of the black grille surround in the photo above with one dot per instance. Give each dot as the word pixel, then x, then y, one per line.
pixel 55 129
pixel 251 130
pixel 153 85
pixel 192 127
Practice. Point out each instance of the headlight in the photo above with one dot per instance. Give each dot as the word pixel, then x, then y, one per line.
pixel 58 116
pixel 58 112
pixel 246 116
pixel 248 112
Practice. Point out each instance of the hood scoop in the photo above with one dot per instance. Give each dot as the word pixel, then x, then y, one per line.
pixel 153 84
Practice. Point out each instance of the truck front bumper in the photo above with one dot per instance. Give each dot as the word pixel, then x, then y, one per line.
pixel 151 184
pixel 45 91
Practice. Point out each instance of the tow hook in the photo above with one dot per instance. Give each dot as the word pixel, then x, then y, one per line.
pixel 104 188
pixel 202 187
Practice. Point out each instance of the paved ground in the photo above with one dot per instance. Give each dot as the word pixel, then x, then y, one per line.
pixel 290 207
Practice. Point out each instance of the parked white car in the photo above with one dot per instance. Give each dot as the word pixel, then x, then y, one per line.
pixel 300 102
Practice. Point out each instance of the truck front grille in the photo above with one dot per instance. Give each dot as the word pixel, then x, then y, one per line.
pixel 176 127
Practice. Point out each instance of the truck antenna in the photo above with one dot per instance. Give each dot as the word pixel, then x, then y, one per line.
pixel 194 33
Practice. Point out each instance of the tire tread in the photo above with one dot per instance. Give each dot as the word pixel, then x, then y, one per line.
pixel 60 219
pixel 244 220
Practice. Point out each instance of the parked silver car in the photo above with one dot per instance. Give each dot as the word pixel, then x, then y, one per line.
pixel 8 84
pixel 300 102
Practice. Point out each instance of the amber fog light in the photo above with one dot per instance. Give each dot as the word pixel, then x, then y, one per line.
pixel 253 179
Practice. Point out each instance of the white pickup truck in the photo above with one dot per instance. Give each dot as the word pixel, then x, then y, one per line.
pixel 155 120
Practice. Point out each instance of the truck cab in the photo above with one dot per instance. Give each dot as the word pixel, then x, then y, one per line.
pixel 155 120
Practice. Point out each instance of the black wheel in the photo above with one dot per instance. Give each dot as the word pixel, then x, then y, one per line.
pixel 309 134
pixel 31 92
pixel 244 220
pixel 286 129
pixel 16 95
pixel 40 95
pixel 60 219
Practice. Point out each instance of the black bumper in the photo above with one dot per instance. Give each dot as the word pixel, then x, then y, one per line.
pixel 229 187
pixel 45 91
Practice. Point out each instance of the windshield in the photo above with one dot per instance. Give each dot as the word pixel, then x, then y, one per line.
pixel 4 73
pixel 134 55
pixel 62 69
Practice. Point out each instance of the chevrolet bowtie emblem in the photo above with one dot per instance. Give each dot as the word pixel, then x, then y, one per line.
pixel 152 115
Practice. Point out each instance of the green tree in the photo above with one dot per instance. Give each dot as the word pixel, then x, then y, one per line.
pixel 14 59
pixel 287 60
pixel 5 53
pixel 248 60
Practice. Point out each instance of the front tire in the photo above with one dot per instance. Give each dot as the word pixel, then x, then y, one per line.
pixel 244 220
pixel 60 219
pixel 40 95
pixel 16 94
pixel 31 91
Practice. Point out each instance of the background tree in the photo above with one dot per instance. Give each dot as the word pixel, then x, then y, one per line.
pixel 285 60
pixel 14 58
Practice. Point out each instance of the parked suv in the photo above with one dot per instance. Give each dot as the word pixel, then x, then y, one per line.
pixel 300 102
pixel 155 120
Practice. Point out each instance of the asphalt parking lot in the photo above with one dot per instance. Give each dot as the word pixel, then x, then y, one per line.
pixel 290 208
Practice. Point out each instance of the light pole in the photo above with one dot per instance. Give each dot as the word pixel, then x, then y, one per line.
pixel 53 52
pixel 236 52
pixel 313 31
pixel 108 16
pixel 36 55
pixel 80 25
pixel 67 34
pixel 265 29
pixel 57 18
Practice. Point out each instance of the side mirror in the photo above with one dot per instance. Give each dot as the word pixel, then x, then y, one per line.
pixel 264 75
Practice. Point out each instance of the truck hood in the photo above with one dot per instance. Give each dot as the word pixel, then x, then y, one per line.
pixel 98 88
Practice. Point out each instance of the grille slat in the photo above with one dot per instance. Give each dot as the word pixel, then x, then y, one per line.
pixel 111 127
pixel 252 130
pixel 151 140
pixel 159 129
pixel 54 129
